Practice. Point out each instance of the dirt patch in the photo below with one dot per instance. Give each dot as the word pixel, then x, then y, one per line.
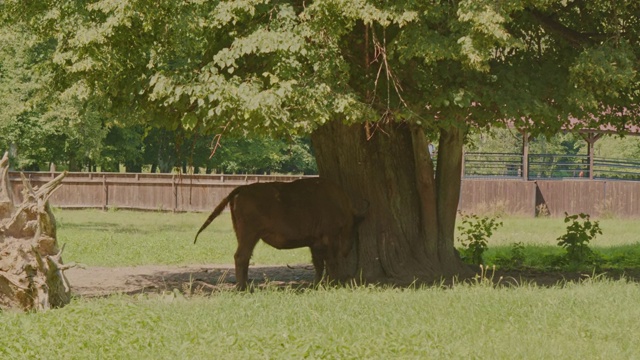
pixel 102 281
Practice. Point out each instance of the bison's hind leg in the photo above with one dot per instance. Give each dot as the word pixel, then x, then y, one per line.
pixel 318 257
pixel 246 244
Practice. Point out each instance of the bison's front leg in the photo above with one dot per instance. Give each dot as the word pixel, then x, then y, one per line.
pixel 318 256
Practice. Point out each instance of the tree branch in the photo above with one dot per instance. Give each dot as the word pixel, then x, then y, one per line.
pixel 575 38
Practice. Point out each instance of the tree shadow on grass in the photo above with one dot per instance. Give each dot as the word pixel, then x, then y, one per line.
pixel 102 281
pixel 207 279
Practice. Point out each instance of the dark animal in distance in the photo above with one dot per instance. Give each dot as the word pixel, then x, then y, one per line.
pixel 311 212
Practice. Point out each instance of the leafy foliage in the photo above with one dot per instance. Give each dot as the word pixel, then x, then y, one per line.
pixel 259 67
pixel 501 140
pixel 41 126
pixel 474 233
pixel 255 66
pixel 575 241
pixel 264 155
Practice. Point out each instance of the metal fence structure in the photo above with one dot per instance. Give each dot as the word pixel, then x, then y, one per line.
pixel 173 192
pixel 547 167
pixel 616 169
pixel 488 165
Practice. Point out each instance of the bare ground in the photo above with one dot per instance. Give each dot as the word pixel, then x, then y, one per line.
pixel 103 281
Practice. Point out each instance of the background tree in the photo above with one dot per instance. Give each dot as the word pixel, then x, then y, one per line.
pixel 264 155
pixel 501 140
pixel 371 81
pixel 39 125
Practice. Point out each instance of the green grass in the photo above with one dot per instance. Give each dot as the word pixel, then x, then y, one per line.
pixel 593 319
pixel 545 232
pixel 589 321
pixel 613 257
pixel 618 246
pixel 127 238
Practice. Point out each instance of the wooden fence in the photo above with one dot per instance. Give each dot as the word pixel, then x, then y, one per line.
pixel 555 197
pixel 163 192
pixel 516 197
pixel 173 192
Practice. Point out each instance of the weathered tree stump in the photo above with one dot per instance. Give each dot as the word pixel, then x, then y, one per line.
pixel 31 268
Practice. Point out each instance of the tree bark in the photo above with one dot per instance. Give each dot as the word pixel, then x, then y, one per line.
pixel 408 234
pixel 31 267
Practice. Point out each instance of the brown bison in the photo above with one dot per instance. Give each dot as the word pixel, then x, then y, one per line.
pixel 310 212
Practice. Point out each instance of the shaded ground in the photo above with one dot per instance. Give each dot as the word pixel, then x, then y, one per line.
pixel 102 281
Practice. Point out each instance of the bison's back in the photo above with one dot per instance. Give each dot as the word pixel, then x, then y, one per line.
pixel 303 208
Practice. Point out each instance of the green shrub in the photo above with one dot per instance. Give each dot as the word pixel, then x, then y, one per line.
pixel 575 241
pixel 474 234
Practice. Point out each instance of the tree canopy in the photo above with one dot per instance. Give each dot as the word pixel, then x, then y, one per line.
pixel 369 80
pixel 256 66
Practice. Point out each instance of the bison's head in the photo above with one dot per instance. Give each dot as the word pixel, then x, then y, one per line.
pixel 346 244
pixel 350 235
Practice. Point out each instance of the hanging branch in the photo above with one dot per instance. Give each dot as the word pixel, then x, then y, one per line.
pixel 380 55
pixel 216 139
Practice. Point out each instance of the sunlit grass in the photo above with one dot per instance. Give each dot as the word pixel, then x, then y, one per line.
pixel 126 238
pixel 618 245
pixel 545 232
pixel 593 320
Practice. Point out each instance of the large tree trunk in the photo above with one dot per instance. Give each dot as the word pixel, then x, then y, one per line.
pixel 31 269
pixel 409 228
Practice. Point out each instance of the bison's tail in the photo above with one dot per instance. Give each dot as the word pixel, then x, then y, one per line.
pixel 214 214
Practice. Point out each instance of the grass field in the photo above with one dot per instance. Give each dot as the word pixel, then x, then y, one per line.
pixel 125 238
pixel 595 319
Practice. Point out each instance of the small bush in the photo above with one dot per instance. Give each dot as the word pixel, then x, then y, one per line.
pixel 576 240
pixel 474 235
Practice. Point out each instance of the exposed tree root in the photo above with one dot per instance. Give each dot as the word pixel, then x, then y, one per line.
pixel 31 267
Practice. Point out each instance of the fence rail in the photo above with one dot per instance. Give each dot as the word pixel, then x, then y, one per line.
pixel 482 165
pixel 553 166
pixel 547 167
pixel 616 169
pixel 169 192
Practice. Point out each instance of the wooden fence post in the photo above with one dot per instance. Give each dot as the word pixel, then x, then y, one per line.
pixel 591 139
pixel 105 201
pixel 525 155
pixel 175 192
